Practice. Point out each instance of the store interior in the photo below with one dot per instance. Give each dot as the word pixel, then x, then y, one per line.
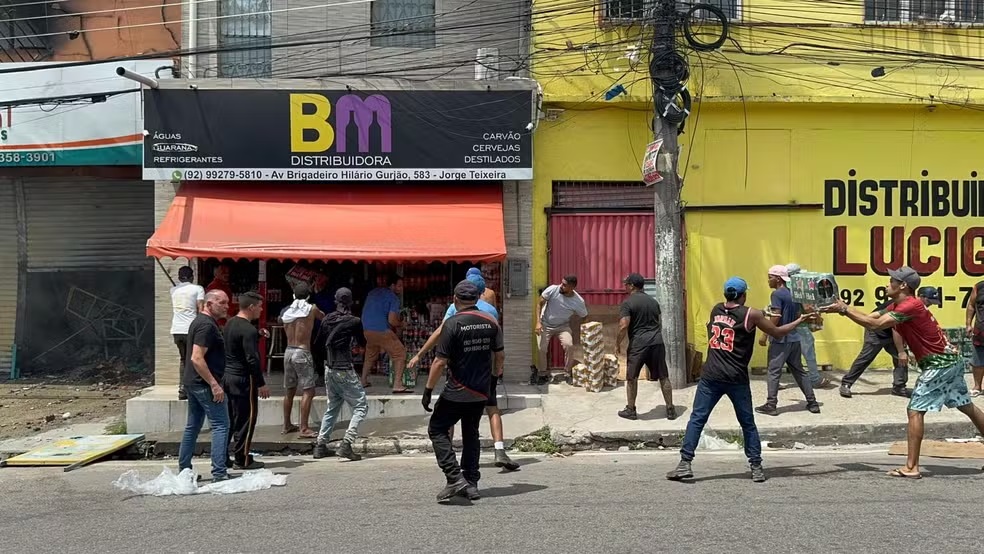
pixel 427 292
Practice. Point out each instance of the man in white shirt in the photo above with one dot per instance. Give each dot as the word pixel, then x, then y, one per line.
pixel 187 300
pixel 557 305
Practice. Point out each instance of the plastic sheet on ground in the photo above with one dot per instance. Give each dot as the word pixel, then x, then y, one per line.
pixel 711 442
pixel 169 483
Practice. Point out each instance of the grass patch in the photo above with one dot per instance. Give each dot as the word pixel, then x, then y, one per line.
pixel 537 441
pixel 116 428
pixel 735 438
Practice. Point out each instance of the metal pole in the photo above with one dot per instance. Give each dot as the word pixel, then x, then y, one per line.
pixel 669 235
pixel 127 74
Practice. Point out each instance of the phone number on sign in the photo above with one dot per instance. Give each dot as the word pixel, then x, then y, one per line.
pixel 26 157
pixel 221 174
pixel 858 297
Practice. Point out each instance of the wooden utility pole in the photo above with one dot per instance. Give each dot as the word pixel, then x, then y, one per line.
pixel 665 73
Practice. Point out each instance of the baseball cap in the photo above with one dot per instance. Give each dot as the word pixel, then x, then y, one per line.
pixel 932 294
pixel 474 271
pixel 907 275
pixel 478 280
pixel 635 279
pixel 793 269
pixel 466 290
pixel 735 287
pixel 343 296
pixel 780 271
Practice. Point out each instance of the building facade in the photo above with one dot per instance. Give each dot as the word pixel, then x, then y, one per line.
pixel 839 139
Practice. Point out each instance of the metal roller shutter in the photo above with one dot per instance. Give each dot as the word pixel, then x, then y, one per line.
pixel 8 272
pixel 88 224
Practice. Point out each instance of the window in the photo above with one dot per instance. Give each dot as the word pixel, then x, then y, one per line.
pixel 924 11
pixel 403 23
pixel 729 7
pixel 245 23
pixel 642 11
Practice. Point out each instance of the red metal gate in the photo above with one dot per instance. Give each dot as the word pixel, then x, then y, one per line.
pixel 601 249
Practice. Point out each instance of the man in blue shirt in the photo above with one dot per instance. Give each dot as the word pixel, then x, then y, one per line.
pixel 785 351
pixel 381 323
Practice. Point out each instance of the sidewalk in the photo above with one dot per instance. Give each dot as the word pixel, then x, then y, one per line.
pixel 589 420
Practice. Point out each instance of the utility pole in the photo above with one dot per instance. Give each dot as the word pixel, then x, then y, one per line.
pixel 665 70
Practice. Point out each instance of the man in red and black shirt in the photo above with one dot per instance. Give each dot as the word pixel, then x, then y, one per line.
pixel 941 383
pixel 470 349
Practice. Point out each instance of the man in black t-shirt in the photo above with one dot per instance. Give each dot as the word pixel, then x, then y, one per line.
pixel 470 349
pixel 203 373
pixel 243 381
pixel 639 318
pixel 730 341
pixel 874 342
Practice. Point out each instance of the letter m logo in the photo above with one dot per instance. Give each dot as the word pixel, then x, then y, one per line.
pixel 351 107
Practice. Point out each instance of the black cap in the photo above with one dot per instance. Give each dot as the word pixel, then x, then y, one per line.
pixel 466 290
pixel 636 280
pixel 932 294
pixel 907 275
pixel 343 297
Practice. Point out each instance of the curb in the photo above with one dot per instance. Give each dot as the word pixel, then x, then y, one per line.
pixel 382 446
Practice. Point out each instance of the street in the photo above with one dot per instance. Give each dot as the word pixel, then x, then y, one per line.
pixel 823 500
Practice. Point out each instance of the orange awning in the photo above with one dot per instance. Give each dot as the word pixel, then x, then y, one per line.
pixel 311 221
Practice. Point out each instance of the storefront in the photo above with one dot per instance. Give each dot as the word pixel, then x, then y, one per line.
pixel 76 287
pixel 343 189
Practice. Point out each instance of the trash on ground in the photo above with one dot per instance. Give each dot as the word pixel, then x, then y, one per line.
pixel 169 483
pixel 711 442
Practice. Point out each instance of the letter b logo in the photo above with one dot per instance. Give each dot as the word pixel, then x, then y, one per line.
pixel 316 122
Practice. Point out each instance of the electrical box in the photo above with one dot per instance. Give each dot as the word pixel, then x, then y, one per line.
pixel 814 289
pixel 518 274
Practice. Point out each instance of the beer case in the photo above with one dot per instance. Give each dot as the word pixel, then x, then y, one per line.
pixel 817 289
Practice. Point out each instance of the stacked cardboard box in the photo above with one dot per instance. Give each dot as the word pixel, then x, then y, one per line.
pixel 579 375
pixel 593 344
pixel 611 370
pixel 814 289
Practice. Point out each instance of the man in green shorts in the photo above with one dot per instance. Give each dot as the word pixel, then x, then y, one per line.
pixel 942 380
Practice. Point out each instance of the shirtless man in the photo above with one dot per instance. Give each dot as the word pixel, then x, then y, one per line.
pixel 299 319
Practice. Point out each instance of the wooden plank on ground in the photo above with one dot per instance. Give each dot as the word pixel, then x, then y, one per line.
pixel 943 449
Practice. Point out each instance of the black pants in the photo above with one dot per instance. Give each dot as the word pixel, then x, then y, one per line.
pixel 869 351
pixel 446 415
pixel 243 399
pixel 181 341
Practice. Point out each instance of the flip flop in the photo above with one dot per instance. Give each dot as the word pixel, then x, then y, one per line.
pixel 897 472
pixel 404 391
pixel 290 429
pixel 975 393
pixel 309 435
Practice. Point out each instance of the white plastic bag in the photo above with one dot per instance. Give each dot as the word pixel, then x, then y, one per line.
pixel 168 483
pixel 711 442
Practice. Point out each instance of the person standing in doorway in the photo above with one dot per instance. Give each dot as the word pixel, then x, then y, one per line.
pixel 808 343
pixel 381 321
pixel 334 341
pixel 941 383
pixel 975 330
pixel 785 351
pixel 730 341
pixel 243 381
pixel 299 319
pixel 203 375
pixel 557 305
pixel 639 318
pixel 220 281
pixel 874 342
pixel 470 349
pixel 187 300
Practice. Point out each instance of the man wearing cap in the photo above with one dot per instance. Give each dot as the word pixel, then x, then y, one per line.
pixel 941 383
pixel 187 300
pixel 975 330
pixel 786 350
pixel 488 295
pixel 639 318
pixel 807 342
pixel 874 342
pixel 343 384
pixel 730 342
pixel 470 349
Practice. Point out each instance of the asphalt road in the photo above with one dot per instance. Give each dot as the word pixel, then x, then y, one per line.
pixel 815 501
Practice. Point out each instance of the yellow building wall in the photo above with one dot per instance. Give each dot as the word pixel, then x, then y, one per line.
pixel 772 161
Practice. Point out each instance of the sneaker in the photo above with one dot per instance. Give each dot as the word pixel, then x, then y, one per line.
pixel 671 413
pixel 345 451
pixel 813 407
pixel 182 395
pixel 682 471
pixel 321 451
pixel 845 390
pixel 471 492
pixel 901 391
pixel 223 477
pixel 534 374
pixel 543 380
pixel 767 409
pixel 758 475
pixel 253 464
pixel 628 413
pixel 502 460
pixel 452 489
